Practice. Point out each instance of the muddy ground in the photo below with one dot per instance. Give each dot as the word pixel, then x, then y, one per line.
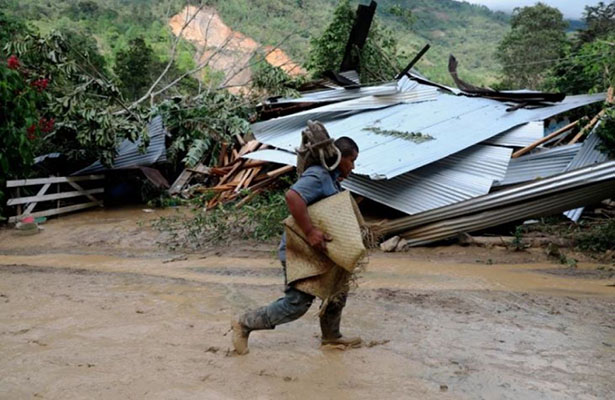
pixel 92 308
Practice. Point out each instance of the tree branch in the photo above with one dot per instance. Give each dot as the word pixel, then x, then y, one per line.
pixel 189 19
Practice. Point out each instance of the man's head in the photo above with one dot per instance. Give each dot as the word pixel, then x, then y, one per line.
pixel 350 152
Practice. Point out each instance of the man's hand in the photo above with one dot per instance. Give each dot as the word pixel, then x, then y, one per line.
pixel 318 239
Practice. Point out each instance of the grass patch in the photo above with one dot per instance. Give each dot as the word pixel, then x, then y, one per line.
pixel 599 237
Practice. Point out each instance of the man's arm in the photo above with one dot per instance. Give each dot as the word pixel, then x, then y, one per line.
pixel 298 209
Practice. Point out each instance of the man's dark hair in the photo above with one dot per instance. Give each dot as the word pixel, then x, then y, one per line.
pixel 346 145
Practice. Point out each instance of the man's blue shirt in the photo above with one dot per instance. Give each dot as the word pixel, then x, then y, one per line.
pixel 314 184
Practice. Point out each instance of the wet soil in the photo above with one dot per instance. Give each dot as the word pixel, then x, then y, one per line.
pixel 91 307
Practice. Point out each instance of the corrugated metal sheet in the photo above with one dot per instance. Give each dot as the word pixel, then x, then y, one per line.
pixel 274 156
pixel 521 194
pixel 455 123
pixel 128 154
pixel 555 202
pixel 520 136
pixel 339 94
pixel 459 177
pixel 539 165
pixel 588 155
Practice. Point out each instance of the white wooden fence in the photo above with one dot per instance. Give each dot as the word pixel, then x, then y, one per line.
pixel 25 205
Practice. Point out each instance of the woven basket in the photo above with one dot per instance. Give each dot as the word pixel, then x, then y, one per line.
pixel 318 273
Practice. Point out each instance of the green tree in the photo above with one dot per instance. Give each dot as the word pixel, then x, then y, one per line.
pixel 378 58
pixel 600 21
pixel 537 38
pixel 135 68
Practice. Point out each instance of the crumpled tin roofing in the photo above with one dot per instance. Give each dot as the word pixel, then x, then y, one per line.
pixel 539 165
pixel 128 154
pixel 338 94
pixel 458 177
pixel 520 136
pixel 454 122
pixel 588 155
pixel 556 187
pixel 588 192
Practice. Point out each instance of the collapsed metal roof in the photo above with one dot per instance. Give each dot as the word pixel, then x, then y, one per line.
pixel 539 165
pixel 528 200
pixel 129 153
pixel 520 136
pixel 588 155
pixel 555 185
pixel 462 176
pixel 454 122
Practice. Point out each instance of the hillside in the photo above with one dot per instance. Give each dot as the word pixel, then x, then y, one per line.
pixel 470 32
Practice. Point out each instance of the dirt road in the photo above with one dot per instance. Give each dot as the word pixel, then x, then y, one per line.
pixel 92 308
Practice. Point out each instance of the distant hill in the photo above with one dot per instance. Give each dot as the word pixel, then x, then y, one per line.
pixel 470 32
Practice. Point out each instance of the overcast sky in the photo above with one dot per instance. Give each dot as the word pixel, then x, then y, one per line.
pixel 570 8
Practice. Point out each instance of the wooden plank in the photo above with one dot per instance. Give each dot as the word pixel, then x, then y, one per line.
pixel 248 198
pixel 255 172
pixel 203 170
pixel 544 139
pixel 48 197
pixel 181 180
pixel 222 154
pixel 280 171
pixel 246 174
pixel 240 139
pixel 31 206
pixel 55 211
pixel 89 196
pixel 587 127
pixel 231 172
pixel 52 179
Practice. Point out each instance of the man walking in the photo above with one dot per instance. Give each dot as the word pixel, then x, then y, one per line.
pixel 314 184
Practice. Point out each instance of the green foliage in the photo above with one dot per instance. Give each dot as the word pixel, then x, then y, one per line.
pixel 259 220
pixel 536 39
pixel 606 131
pixel 21 122
pixel 600 21
pixel 201 123
pixel 273 81
pixel 599 237
pixel 135 68
pixel 405 15
pixel 587 69
pixel 78 97
pixel 377 59
pixel 327 50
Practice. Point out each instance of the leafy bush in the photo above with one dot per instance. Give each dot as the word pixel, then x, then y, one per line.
pixel 259 220
pixel 599 238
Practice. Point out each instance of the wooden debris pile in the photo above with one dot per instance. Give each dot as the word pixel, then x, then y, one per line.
pixel 233 178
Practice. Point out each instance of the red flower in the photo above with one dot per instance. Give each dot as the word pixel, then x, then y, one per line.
pixel 13 62
pixel 46 125
pixel 31 132
pixel 40 84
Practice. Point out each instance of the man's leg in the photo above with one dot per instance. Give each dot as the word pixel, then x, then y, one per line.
pixel 292 306
pixel 330 323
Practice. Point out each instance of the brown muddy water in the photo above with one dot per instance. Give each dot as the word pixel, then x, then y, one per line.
pixel 92 308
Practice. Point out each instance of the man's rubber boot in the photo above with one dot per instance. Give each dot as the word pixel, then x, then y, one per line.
pixel 248 322
pixel 344 341
pixel 330 325
pixel 240 337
